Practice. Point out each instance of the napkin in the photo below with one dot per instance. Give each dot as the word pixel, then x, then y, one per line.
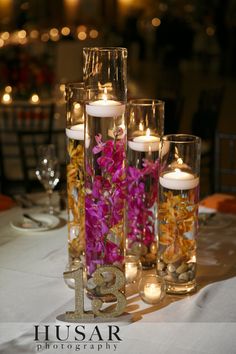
pixel 224 203
pixel 6 202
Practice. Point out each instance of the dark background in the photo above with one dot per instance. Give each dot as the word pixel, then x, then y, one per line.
pixel 178 49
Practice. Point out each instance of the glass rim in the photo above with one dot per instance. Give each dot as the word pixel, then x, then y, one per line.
pixel 105 49
pixel 179 138
pixel 145 102
pixel 75 85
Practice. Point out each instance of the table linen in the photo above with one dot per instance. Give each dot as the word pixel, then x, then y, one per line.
pixel 33 292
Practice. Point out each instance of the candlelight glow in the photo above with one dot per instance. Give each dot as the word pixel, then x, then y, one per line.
pixel 5 36
pixel 148 133
pixel 6 98
pixel 45 37
pixel 34 98
pixel 152 292
pixel 8 89
pixel 62 87
pixel 65 31
pixel 6 8
pixel 180 161
pixel 22 40
pixel 53 32
pixel 156 22
pixel 104 96
pixel 55 38
pixel 141 126
pixel 71 8
pixel 76 106
pixel 34 34
pixel 22 34
pixel 93 33
pixel 82 36
pixel 81 28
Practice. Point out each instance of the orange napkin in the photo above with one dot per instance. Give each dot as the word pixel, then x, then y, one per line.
pixel 223 203
pixel 6 202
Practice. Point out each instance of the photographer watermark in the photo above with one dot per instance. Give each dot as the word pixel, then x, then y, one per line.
pixel 77 337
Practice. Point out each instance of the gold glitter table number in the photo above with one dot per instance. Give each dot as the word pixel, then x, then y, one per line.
pixel 79 312
pixel 114 290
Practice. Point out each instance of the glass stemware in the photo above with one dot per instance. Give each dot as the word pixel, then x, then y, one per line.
pixel 48 171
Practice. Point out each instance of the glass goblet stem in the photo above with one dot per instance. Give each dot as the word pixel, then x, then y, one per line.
pixel 50 206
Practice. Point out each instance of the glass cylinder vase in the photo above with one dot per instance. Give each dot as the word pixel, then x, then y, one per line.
pixel 105 180
pixel 145 128
pixel 178 211
pixel 75 173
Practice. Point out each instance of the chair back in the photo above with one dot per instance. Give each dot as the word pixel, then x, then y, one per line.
pixel 23 126
pixel 225 162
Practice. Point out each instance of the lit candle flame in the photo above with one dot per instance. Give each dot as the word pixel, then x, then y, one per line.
pixel 141 126
pixel 180 161
pixel 104 96
pixel 76 106
pixel 148 133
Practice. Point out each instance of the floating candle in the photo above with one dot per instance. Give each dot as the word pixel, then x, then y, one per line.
pixel 105 108
pixel 179 180
pixel 75 132
pixel 145 142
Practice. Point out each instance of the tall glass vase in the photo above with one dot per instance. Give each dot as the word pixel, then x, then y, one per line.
pixel 178 211
pixel 105 180
pixel 145 128
pixel 75 173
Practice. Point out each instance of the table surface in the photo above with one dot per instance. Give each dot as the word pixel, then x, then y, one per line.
pixel 33 292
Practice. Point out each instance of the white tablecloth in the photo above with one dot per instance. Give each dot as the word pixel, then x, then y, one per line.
pixel 33 292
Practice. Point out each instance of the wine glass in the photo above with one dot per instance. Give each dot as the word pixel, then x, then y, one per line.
pixel 48 171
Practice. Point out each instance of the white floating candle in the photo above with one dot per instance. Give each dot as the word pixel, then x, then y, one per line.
pixel 179 180
pixel 145 143
pixel 105 108
pixel 152 292
pixel 131 271
pixel 75 132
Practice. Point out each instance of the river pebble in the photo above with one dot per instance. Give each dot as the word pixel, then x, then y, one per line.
pixel 183 276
